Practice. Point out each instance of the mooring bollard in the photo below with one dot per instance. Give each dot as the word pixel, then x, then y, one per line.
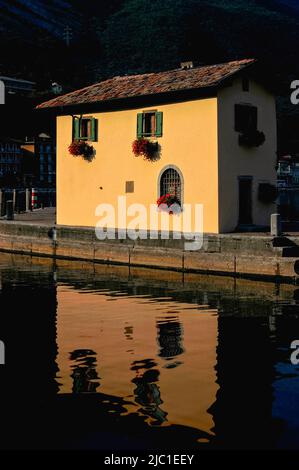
pixel 275 225
pixel 9 210
pixel 34 198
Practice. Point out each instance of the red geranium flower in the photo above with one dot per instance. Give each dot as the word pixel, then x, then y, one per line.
pixel 81 148
pixel 167 200
pixel 145 148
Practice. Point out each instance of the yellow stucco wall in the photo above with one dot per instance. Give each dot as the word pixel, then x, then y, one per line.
pixel 235 161
pixel 198 138
pixel 189 142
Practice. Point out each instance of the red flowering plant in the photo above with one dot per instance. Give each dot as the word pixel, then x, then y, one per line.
pixel 146 148
pixel 169 203
pixel 79 148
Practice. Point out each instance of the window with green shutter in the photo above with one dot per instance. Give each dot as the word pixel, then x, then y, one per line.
pixel 76 128
pixel 139 125
pixel 150 124
pixel 245 118
pixel 85 128
pixel 159 124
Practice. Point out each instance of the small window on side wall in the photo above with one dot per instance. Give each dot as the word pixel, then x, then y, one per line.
pixel 149 124
pixel 85 128
pixel 245 118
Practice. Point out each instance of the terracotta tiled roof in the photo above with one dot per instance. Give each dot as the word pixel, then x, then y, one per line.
pixel 130 86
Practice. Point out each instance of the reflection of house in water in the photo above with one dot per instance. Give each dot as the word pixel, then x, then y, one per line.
pixel 28 329
pixel 242 412
pixel 128 332
pixel 129 329
pixel 246 394
pixel 147 392
pixel 169 337
pixel 84 371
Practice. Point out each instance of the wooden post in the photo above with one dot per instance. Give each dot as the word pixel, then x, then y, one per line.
pixel 27 200
pixel 20 201
pixel 14 197
pixel 9 210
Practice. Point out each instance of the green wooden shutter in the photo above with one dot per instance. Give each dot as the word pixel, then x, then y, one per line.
pixel 139 125
pixel 245 118
pixel 76 128
pixel 159 124
pixel 94 126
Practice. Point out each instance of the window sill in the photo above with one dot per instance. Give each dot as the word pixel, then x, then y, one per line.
pixel 87 140
pixel 149 136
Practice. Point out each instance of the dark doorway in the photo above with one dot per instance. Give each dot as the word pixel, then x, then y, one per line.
pixel 245 200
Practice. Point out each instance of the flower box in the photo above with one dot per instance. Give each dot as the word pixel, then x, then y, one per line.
pixel 79 148
pixel 144 147
pixel 169 203
pixel 252 138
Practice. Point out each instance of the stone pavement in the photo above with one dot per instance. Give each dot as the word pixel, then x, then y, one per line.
pixel 45 216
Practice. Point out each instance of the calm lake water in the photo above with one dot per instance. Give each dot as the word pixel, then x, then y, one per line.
pixel 101 357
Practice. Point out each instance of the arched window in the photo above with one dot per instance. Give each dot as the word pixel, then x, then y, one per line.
pixel 171 182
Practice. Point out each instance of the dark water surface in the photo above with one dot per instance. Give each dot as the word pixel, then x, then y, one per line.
pixel 101 357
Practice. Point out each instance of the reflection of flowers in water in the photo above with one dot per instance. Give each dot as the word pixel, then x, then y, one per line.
pixel 143 365
pixel 147 394
pixel 84 373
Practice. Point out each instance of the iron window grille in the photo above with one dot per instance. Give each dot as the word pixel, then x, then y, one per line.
pixel 171 184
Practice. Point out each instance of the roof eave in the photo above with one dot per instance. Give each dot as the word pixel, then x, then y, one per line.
pixel 136 101
pixel 151 96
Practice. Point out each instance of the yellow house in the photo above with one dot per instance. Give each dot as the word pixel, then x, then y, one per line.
pixel 213 143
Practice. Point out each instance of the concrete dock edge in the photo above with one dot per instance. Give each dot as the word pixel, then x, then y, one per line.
pixel 251 257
